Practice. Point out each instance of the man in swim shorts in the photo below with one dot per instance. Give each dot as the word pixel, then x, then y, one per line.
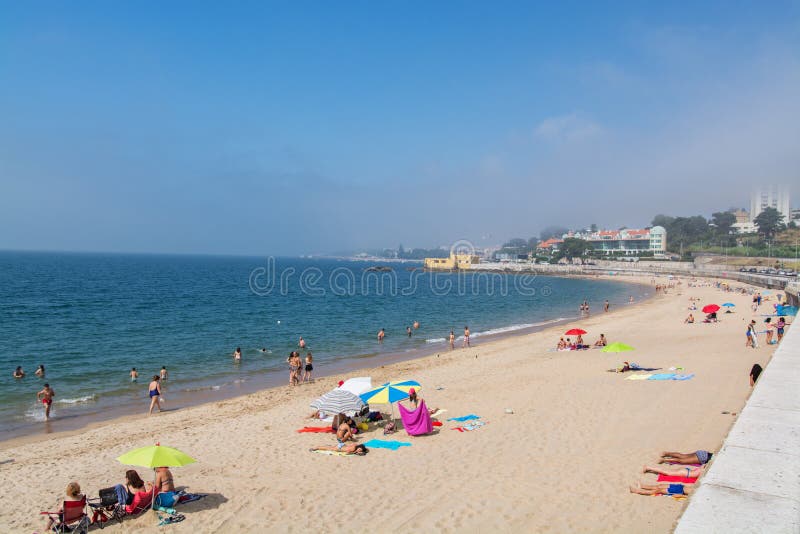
pixel 662 488
pixel 46 396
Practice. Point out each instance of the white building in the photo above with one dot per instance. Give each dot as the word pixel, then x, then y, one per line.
pixel 770 196
pixel 745 227
pixel 630 242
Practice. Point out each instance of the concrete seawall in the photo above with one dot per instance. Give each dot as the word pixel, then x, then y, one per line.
pixel 753 484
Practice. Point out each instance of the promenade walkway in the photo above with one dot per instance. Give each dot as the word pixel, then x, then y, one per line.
pixel 753 484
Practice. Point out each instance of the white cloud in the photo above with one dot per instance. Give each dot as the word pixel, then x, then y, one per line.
pixel 571 127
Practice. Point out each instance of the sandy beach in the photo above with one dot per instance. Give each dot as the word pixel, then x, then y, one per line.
pixel 563 461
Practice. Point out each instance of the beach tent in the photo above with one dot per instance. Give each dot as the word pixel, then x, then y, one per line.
pixel 339 401
pixel 358 385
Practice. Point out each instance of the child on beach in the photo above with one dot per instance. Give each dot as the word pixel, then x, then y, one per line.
pixel 154 390
pixel 46 396
pixel 308 368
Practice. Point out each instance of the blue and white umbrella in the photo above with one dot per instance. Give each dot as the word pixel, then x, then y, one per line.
pixel 339 401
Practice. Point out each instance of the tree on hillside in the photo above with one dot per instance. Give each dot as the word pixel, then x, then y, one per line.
pixel 552 231
pixel 663 220
pixel 723 221
pixel 572 247
pixel 769 222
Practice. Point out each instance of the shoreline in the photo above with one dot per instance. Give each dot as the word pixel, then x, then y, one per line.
pixel 568 416
pixel 197 397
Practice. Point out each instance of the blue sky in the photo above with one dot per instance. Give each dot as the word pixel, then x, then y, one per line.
pixel 264 128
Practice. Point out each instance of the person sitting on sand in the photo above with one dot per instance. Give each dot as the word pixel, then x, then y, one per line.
pixel 18 372
pixel 165 488
pixel 347 448
pixel 662 488
pixel 689 320
pixel 579 342
pixel 73 493
pixel 562 345
pixel 688 472
pixel 684 458
pixel 414 400
pixel 341 424
pixel 602 342
pixel 711 318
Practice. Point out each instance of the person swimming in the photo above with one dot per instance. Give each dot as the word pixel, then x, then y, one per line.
pixel 134 374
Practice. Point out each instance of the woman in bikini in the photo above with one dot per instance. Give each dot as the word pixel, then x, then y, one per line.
pixel 688 471
pixel 155 393
pixel 349 448
pixel 165 486
pixel 466 336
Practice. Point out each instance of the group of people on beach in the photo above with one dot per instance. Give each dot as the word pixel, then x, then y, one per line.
pixel 693 465
pixel 298 372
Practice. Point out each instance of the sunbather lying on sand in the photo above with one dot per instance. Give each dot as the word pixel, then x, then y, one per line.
pixel 347 448
pixel 696 457
pixel 688 472
pixel 662 488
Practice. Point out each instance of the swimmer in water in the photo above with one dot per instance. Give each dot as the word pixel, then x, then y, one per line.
pixel 416 325
pixel 164 374
pixel 40 371
pixel 237 354
pixel 46 396
pixel 302 343
pixel 134 374
pixel 408 331
pixel 381 335
pixel 264 350
pixel 18 372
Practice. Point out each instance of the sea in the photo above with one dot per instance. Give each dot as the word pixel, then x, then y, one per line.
pixel 90 318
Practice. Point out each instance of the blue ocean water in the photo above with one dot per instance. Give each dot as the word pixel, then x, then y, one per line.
pixel 89 318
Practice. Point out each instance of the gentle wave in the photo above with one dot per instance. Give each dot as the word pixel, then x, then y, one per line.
pixel 500 330
pixel 77 400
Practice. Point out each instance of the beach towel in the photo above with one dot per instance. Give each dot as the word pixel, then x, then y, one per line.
pixel 638 377
pixel 386 444
pixel 470 426
pixel 672 478
pixel 334 453
pixel 464 418
pixel 683 377
pixel 662 376
pixel 416 422
pixel 317 429
pixel 436 423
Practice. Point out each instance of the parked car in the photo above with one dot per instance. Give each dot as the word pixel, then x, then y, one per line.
pixel 751 270
pixel 743 270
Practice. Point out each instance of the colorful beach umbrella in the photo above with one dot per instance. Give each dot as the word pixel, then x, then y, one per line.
pixel 617 347
pixel 729 305
pixel 390 392
pixel 339 401
pixel 710 308
pixel 575 332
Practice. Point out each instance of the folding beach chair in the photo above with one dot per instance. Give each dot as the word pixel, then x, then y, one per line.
pixel 72 518
pixel 106 508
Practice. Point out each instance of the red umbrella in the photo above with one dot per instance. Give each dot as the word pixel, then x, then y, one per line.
pixel 577 332
pixel 711 308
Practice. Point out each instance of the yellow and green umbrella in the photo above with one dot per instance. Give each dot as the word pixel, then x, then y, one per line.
pixel 617 347
pixel 390 392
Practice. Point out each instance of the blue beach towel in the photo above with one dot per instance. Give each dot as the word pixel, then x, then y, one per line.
pixel 464 418
pixel 385 444
pixel 662 376
pixel 683 377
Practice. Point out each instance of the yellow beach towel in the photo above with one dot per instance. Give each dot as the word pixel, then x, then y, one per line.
pixel 639 377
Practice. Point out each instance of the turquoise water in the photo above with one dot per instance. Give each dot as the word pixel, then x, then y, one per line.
pixel 89 318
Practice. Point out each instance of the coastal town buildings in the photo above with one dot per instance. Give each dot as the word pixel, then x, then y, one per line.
pixel 770 196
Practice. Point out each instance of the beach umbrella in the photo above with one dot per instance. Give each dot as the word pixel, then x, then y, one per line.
pixel 729 305
pixel 339 401
pixel 156 456
pixel 617 347
pixel 390 392
pixel 357 385
pixel 575 332
pixel 710 308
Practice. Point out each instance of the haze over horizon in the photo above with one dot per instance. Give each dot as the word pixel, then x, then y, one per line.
pixel 258 128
